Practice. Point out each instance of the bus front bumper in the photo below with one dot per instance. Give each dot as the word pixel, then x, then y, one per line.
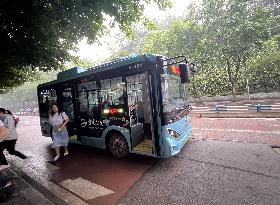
pixel 172 146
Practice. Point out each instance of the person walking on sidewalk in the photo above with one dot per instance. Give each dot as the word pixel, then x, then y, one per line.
pixel 58 120
pixel 9 142
pixel 5 181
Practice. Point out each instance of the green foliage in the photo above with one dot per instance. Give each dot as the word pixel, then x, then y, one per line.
pixel 214 81
pixel 26 94
pixel 14 77
pixel 83 63
pixel 38 34
pixel 266 74
pixel 230 40
pixel 224 37
pixel 235 30
pixel 265 68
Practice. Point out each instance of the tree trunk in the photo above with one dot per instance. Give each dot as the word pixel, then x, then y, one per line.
pixel 247 77
pixel 231 80
pixel 195 90
pixel 233 90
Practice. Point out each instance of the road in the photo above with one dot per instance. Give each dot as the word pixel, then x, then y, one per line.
pixel 215 167
pixel 105 175
pixel 258 130
pixel 211 172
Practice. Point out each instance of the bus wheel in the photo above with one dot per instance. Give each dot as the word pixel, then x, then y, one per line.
pixel 118 145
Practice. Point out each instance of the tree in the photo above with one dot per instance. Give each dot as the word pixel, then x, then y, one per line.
pixel 264 67
pixel 181 37
pixel 39 33
pixel 235 29
pixel 224 37
pixel 14 77
pixel 124 46
pixel 25 95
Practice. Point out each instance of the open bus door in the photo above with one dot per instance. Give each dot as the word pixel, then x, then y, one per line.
pixel 66 100
pixel 140 112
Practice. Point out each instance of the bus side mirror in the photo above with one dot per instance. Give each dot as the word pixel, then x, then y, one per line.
pixel 193 68
pixel 185 73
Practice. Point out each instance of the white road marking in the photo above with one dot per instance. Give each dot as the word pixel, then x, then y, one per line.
pixel 233 130
pixel 57 190
pixel 85 189
pixel 228 118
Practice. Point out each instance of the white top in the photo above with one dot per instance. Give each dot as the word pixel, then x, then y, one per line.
pixel 2 125
pixel 57 119
pixel 9 123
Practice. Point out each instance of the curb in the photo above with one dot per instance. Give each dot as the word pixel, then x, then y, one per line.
pixel 52 191
pixel 22 192
pixel 36 185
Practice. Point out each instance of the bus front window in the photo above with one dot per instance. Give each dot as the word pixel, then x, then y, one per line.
pixel 173 93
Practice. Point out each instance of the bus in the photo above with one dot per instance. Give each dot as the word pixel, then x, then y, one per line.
pixel 136 104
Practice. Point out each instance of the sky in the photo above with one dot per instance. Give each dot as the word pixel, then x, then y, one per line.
pixel 97 52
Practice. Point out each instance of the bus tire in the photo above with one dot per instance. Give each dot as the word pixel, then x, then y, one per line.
pixel 118 145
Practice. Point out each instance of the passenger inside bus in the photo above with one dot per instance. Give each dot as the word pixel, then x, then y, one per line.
pixel 106 103
pixel 120 100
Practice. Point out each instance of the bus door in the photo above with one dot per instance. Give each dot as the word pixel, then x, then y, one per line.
pixel 140 113
pixel 66 96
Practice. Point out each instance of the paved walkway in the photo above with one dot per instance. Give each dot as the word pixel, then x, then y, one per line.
pixel 22 193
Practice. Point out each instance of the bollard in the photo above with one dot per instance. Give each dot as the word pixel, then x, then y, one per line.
pixel 258 107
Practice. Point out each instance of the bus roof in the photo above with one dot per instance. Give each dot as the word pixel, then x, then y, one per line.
pixel 116 63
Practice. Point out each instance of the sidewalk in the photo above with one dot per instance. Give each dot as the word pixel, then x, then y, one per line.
pixel 24 193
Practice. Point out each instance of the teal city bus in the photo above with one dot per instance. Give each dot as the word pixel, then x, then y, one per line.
pixel 135 104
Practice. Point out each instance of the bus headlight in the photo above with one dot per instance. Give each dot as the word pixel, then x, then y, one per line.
pixel 173 133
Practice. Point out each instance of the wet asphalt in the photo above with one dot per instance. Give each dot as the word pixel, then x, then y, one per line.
pixel 229 161
pixel 212 172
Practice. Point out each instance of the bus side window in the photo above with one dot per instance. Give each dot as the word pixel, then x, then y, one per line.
pixel 118 91
pixel 93 103
pixel 88 97
pixel 67 103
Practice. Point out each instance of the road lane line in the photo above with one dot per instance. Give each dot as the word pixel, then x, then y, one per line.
pixel 229 118
pixel 85 189
pixel 234 130
pixel 231 167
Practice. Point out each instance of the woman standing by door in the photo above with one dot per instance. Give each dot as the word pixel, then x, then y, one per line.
pixel 58 120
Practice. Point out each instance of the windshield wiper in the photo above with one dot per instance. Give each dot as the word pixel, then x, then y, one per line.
pixel 182 110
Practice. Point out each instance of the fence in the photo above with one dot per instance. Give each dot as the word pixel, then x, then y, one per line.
pixel 258 110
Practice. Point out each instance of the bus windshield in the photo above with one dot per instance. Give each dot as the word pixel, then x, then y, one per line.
pixel 174 94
